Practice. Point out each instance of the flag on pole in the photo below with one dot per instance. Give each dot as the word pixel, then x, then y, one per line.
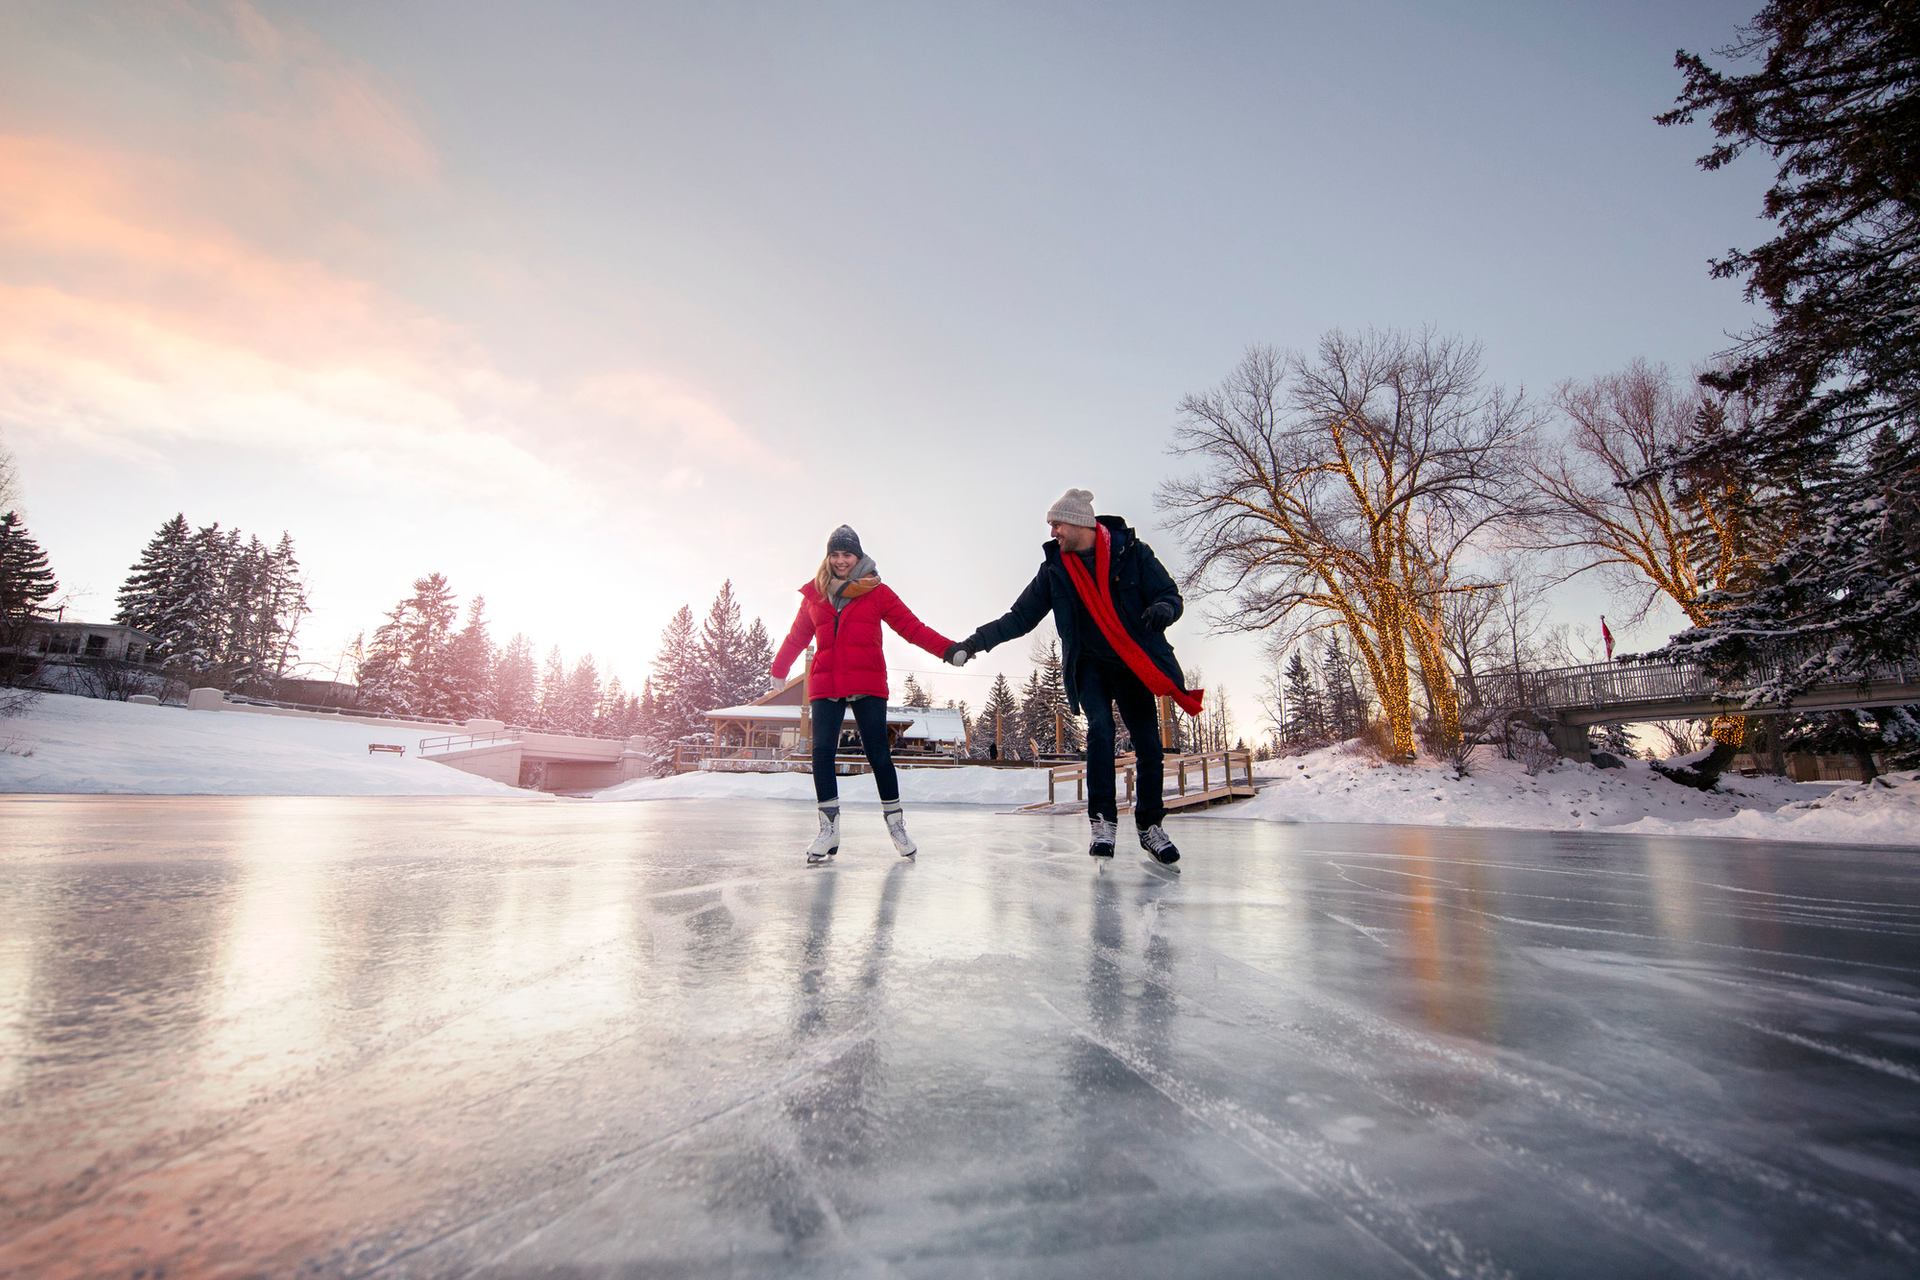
pixel 1607 636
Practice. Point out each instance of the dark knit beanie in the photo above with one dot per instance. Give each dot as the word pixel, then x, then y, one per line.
pixel 844 539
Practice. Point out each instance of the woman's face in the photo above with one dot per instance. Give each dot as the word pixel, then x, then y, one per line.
pixel 842 562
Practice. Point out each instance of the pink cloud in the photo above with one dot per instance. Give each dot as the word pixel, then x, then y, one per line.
pixel 129 321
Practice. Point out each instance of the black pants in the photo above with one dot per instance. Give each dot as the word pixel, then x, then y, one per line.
pixel 1101 685
pixel 870 717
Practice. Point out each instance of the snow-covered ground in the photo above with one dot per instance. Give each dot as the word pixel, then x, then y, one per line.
pixel 1335 784
pixel 78 745
pixel 69 745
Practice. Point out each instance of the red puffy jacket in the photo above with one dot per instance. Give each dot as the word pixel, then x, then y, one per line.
pixel 847 661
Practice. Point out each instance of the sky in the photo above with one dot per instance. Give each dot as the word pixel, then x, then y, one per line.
pixel 592 306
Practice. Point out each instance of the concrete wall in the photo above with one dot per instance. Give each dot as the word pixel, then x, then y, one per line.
pixel 499 761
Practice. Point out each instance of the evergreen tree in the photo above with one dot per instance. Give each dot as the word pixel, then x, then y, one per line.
pixel 151 598
pixel 1306 714
pixel 554 711
pixel 677 681
pixel 757 658
pixel 1831 92
pixel 27 582
pixel 407 665
pixel 719 653
pixel 283 602
pixel 199 640
pixel 515 684
pixel 468 677
pixel 583 696
pixel 612 719
pixel 1346 710
pixel 1053 692
pixel 912 695
pixel 1000 714
pixel 1034 732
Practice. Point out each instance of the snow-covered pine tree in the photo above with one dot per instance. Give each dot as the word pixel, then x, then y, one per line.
pixel 612 718
pixel 1053 682
pixel 1000 715
pixel 406 667
pixel 281 607
pixel 583 695
pixel 27 582
pixel 756 657
pixel 1034 732
pixel 199 639
pixel 553 712
pixel 470 662
pixel 912 695
pixel 243 661
pixel 150 599
pixel 1306 712
pixel 1829 90
pixel 676 679
pixel 515 684
pixel 646 727
pixel 724 675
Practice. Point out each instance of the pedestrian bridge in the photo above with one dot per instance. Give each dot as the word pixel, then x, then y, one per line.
pixel 1616 692
pixel 545 761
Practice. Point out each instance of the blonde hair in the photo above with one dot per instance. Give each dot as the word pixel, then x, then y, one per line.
pixel 822 578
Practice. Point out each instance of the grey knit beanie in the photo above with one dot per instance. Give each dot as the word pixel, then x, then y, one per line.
pixel 1075 506
pixel 844 539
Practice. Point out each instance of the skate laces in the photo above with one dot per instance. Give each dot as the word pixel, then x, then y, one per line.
pixel 1156 840
pixel 1103 830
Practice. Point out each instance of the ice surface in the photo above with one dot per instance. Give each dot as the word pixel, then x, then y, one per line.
pixel 454 1037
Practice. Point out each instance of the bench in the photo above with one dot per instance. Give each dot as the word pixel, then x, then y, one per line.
pixel 394 747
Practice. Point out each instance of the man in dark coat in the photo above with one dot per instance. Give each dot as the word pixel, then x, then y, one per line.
pixel 1114 650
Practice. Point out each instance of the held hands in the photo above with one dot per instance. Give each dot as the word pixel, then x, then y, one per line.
pixel 1160 614
pixel 957 654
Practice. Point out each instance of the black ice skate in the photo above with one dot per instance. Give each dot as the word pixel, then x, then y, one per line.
pixel 1103 833
pixel 1159 845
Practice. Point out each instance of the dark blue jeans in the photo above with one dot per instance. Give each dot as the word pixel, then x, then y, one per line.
pixel 1101 686
pixel 870 717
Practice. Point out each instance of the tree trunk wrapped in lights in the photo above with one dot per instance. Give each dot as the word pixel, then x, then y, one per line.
pixel 1340 490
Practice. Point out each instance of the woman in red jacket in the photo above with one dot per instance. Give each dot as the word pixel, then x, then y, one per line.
pixel 841 611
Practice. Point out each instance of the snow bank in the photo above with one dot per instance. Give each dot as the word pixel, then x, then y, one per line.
pixel 1884 811
pixel 1337 785
pixel 975 784
pixel 83 745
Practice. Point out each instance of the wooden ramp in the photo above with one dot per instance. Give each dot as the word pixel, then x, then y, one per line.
pixel 1214 777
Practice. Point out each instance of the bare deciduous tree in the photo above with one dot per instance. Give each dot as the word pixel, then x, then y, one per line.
pixel 9 478
pixel 1605 507
pixel 1341 491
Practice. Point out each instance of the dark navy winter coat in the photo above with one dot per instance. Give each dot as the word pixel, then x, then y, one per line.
pixel 1138 579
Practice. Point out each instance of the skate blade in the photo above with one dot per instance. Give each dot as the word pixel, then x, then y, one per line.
pixel 1161 869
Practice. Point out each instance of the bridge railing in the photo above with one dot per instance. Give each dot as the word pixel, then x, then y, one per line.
pixel 467 741
pixel 1614 684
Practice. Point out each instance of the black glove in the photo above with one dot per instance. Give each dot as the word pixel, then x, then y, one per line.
pixel 1160 614
pixel 957 654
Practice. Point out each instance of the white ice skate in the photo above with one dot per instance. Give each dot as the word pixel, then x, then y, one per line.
pixel 897 828
pixel 827 843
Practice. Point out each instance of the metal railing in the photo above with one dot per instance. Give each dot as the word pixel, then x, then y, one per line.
pixel 1622 684
pixel 467 741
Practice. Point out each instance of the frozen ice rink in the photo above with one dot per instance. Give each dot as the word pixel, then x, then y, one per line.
pixel 465 1037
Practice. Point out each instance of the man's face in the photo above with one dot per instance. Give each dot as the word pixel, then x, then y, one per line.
pixel 1071 537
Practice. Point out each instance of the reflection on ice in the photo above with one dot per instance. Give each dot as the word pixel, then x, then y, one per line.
pixel 441 1038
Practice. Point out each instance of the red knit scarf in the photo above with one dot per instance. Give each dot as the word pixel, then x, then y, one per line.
pixel 1097 595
